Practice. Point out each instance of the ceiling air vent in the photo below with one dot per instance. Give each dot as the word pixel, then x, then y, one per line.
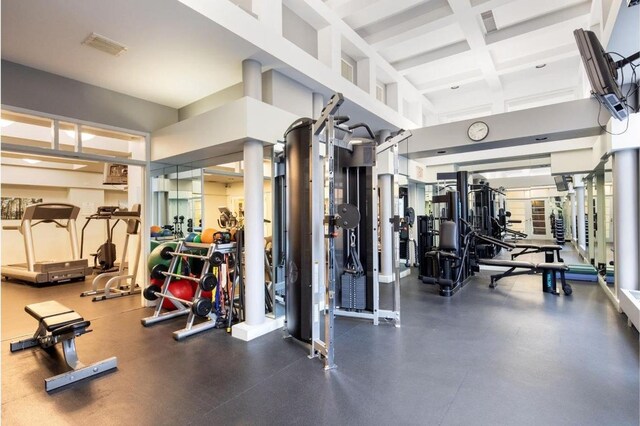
pixel 104 44
pixel 489 21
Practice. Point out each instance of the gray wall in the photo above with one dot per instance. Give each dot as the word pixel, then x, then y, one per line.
pixel 210 102
pixel 41 91
pixel 287 94
pixel 299 32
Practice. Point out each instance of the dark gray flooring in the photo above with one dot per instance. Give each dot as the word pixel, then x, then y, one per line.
pixel 509 356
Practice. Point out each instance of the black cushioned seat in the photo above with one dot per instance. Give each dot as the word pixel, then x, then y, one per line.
pixel 44 310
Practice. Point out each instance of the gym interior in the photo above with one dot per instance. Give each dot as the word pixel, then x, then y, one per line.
pixel 331 212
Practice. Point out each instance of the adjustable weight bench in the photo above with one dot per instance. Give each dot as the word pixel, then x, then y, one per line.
pixel 57 323
pixel 548 270
pixel 550 251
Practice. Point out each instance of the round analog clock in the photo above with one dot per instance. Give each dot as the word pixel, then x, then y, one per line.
pixel 478 131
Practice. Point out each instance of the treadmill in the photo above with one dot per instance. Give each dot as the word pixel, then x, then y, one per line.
pixel 63 216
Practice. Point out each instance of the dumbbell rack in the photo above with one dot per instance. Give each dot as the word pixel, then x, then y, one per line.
pixel 187 249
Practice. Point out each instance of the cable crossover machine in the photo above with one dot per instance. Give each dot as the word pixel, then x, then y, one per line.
pixel 326 234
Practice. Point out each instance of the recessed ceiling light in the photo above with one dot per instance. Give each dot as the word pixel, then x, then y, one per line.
pixel 539 66
pixel 455 87
pixel 31 160
pixel 5 123
pixel 85 136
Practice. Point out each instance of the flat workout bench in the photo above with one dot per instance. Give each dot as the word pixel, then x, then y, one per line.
pixel 548 270
pixel 550 251
pixel 57 323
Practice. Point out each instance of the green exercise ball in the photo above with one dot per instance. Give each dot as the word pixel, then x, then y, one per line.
pixel 197 238
pixel 155 257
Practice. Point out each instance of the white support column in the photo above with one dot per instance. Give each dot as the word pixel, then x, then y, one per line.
pixel 625 222
pixel 366 76
pixel 318 242
pixel 421 199
pixel 330 47
pixel 252 78
pixel 386 236
pixel 592 230
pixel 269 12
pixel 385 185
pixel 574 233
pixel 580 217
pixel 601 253
pixel 255 324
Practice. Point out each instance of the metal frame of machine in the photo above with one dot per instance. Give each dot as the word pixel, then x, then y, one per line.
pixel 299 187
pixel 48 272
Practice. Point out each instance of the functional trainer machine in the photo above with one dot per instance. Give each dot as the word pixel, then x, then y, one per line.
pixel 318 153
pixel 57 323
pixel 63 216
pixel 109 280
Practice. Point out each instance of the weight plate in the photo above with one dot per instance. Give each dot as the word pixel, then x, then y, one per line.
pixel 149 293
pixel 208 282
pixel 157 271
pixel 164 253
pixel 216 258
pixel 202 307
pixel 347 216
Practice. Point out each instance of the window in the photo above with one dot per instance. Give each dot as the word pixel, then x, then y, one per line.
pixel 347 70
pixel 380 92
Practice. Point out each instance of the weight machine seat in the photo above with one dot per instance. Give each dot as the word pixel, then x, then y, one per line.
pixel 441 253
pixel 47 309
pixel 57 318
pixel 59 324
pixel 508 263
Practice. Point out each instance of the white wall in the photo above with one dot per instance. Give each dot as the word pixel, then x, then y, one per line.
pixel 79 188
pixel 210 102
pixel 299 32
pixel 287 94
pixel 221 194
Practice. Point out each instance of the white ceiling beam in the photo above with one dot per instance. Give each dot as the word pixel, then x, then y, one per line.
pixel 420 25
pixel 512 163
pixel 460 79
pixel 549 56
pixel 345 8
pixel 471 27
pixel 512 152
pixel 424 16
pixel 412 63
pixel 377 11
pixel 557 122
pixel 535 24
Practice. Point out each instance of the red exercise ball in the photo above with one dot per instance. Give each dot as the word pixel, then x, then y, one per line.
pixel 155 281
pixel 204 294
pixel 181 289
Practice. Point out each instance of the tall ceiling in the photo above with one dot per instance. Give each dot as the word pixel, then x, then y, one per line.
pixel 175 56
pixel 462 66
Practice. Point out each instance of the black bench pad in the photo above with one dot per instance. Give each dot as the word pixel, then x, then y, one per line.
pixel 553 266
pixel 58 321
pixel 543 247
pixel 508 263
pixel 44 310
